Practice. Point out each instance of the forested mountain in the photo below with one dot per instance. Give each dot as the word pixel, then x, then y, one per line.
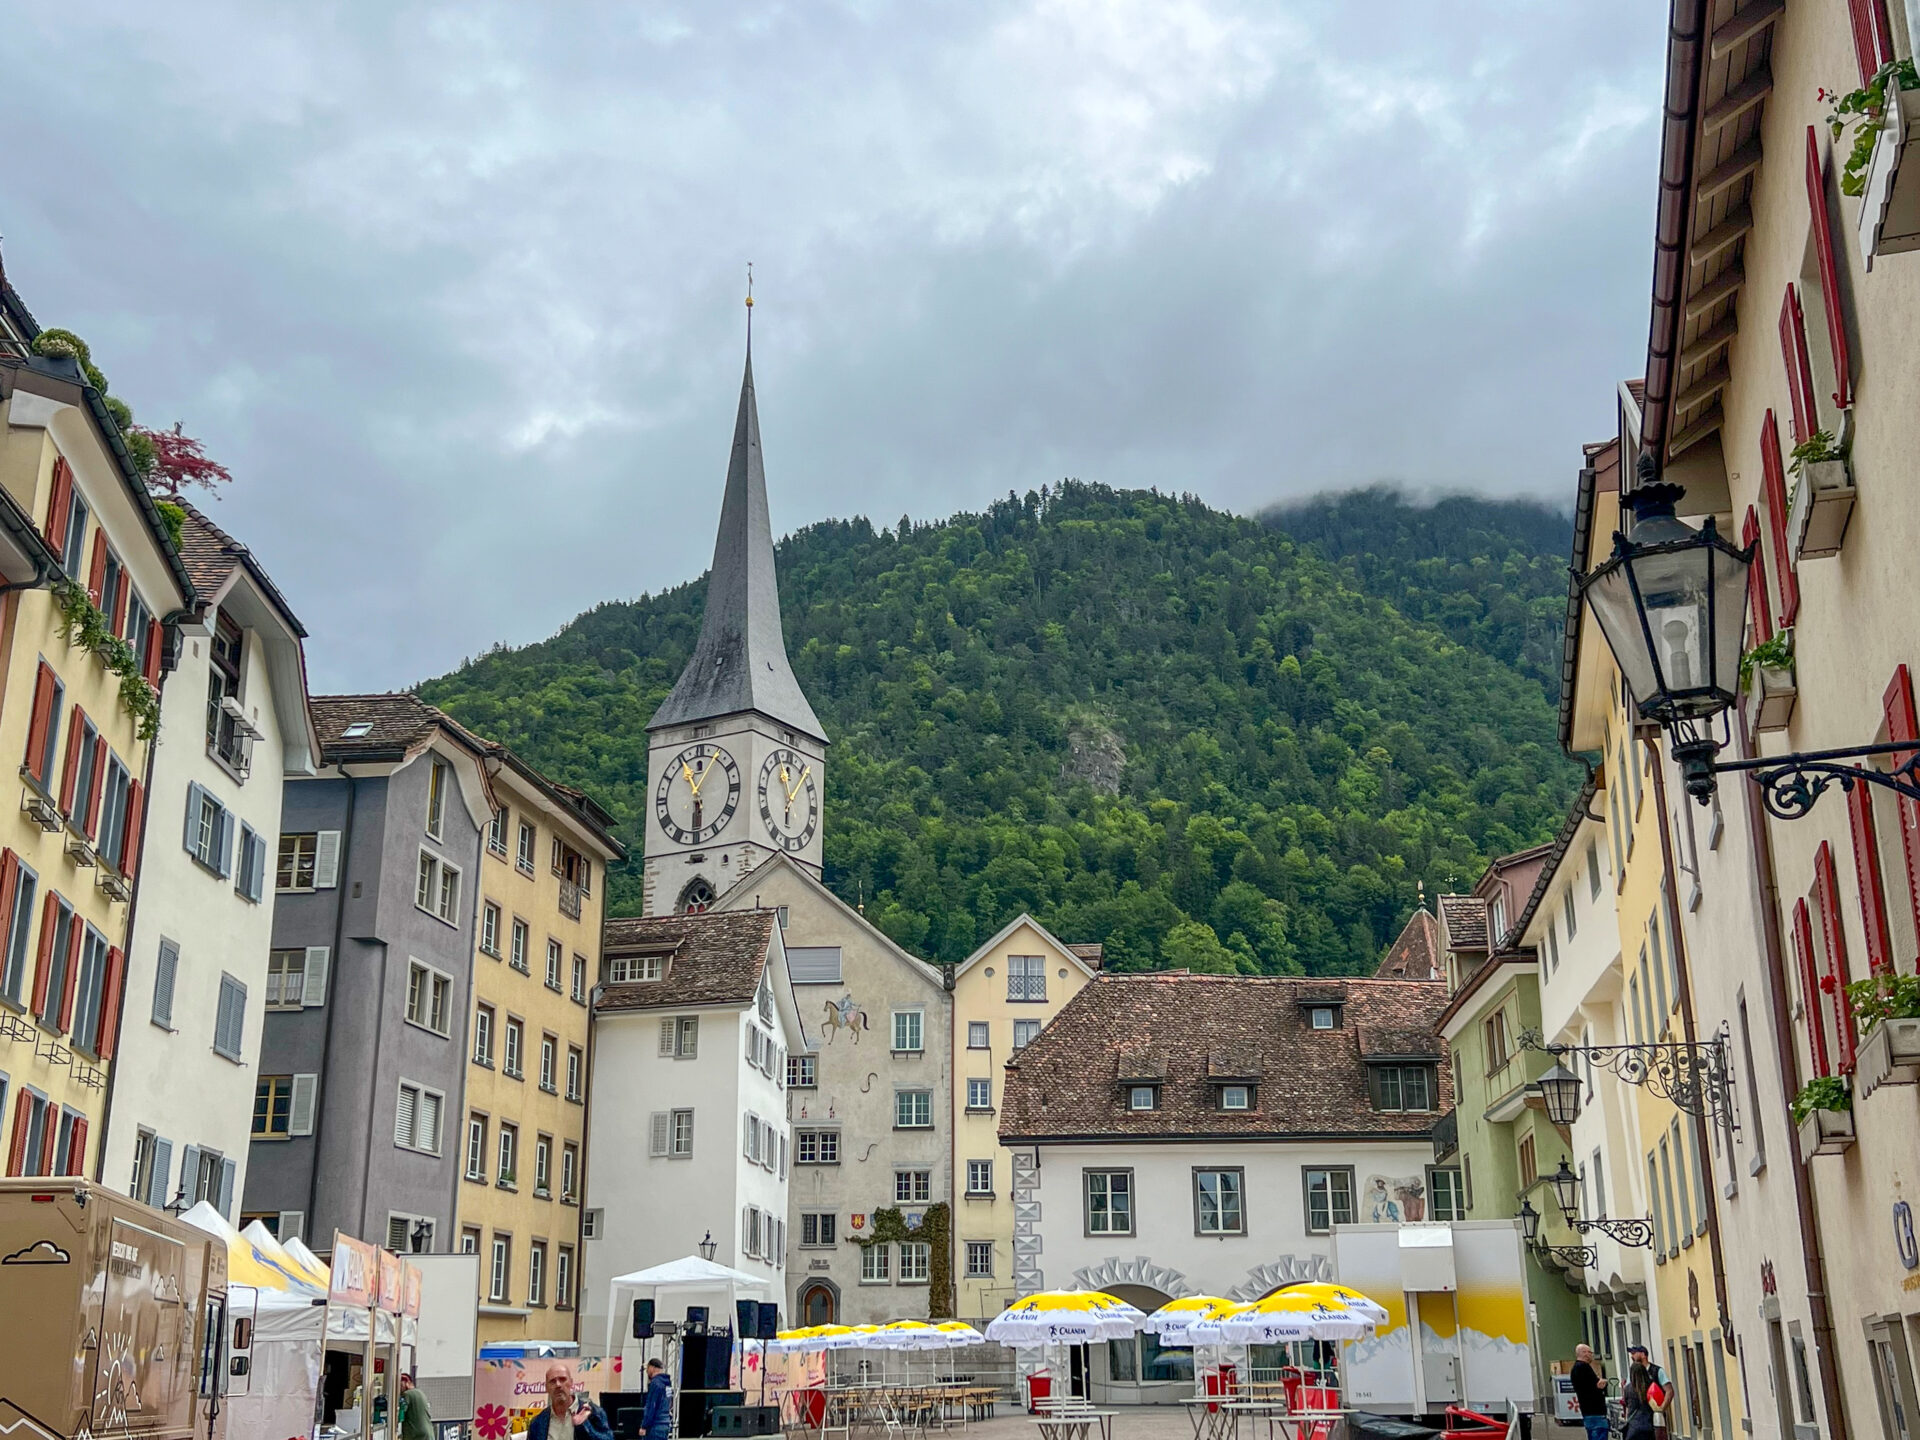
pixel 1206 740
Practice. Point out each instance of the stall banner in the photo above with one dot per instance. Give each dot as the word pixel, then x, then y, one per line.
pixel 805 1370
pixel 392 1282
pixel 507 1394
pixel 412 1289
pixel 355 1275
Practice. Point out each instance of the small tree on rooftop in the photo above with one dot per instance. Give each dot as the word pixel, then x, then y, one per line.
pixel 180 461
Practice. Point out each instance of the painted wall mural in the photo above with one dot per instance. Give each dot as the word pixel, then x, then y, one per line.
pixel 1391 1199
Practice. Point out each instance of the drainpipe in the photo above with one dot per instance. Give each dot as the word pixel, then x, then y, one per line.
pixel 333 965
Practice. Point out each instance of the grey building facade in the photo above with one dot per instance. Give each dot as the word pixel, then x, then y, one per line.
pixel 365 1039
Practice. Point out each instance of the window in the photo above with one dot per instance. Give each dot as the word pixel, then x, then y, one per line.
pixel 1402 1087
pixel 19 927
pixel 1109 1201
pixel 537 1273
pixel 429 998
pixel 817 1228
pixel 449 907
pixel 569 1173
pixel 83 744
pixel 802 1072
pixel 579 991
pixel 508 1156
pixel 550 1064
pixel 906 1031
pixel 490 929
pixel 522 937
pixel 483 1035
pixel 1497 920
pixel 979 1259
pixel 297 857
pixel 1026 977
pixel 873 1264
pixel 1141 1097
pixel 1217 1202
pixel 229 1023
pixel 1025 1032
pixel 1236 1097
pixel 979 1093
pixel 1529 1167
pixel 1493 1034
pixel 43 732
pixel 115 836
pixel 979 1177
pixel 576 1072
pixel 1567 914
pixel 556 962
pixel 145 1165
pixel 477 1148
pixel 1448 1199
pixel 563 1278
pixel 272 1106
pixel 978 1035
pixel 426 885
pixel 912 1187
pixel 499 1276
pixel 543 1165
pixel 510 1052
pixel 1320 1017
pixel 1329 1198
pixel 437 777
pixel 225 648
pixel 60 916
pixel 914 1261
pixel 73 552
pixel 210 827
pixel 524 857
pixel 286 977
pixel 90 998
pixel 416 1118
pixel 912 1109
pixel 626 968
pixel 497 832
pixel 1593 869
pixel 680 1037
pixel 816 1147
pixel 672 1134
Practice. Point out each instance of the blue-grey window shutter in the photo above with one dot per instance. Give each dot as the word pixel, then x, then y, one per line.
pixel 189 1170
pixel 157 1195
pixel 163 977
pixel 227 1169
pixel 259 866
pixel 223 844
pixel 192 840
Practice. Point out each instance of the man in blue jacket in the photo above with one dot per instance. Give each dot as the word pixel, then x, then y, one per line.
pixel 656 1421
pixel 567 1418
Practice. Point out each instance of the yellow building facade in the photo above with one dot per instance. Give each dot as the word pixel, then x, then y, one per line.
pixel 1003 995
pixel 537 957
pixel 97 575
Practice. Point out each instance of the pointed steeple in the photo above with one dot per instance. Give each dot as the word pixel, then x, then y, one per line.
pixel 740 660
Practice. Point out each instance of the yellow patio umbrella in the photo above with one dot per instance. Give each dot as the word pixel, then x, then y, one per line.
pixel 1065 1317
pixel 1286 1316
pixel 1345 1295
pixel 1172 1322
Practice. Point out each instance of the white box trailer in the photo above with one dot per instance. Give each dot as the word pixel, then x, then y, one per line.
pixel 1457 1332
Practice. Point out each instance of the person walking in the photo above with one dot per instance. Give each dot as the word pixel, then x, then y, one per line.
pixel 567 1417
pixel 416 1420
pixel 1659 1387
pixel 656 1421
pixel 1637 1399
pixel 1591 1391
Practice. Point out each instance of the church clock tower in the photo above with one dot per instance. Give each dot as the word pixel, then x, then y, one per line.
pixel 734 754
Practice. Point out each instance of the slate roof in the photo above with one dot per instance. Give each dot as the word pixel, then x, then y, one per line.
pixel 715 958
pixel 398 722
pixel 210 555
pixel 1466 917
pixel 740 660
pixel 1416 954
pixel 1065 1085
pixel 1093 952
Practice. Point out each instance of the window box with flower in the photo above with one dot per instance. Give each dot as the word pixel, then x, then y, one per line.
pixel 1820 503
pixel 1766 678
pixel 1823 1114
pixel 1888 1009
pixel 1884 116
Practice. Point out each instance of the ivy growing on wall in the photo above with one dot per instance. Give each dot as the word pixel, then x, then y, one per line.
pixel 85 626
pixel 935 1231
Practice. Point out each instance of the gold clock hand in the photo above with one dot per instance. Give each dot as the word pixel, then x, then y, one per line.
pixel 692 783
pixel 804 770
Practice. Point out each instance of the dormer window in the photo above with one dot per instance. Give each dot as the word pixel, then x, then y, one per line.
pixel 1143 1097
pixel 625 969
pixel 1322 1017
pixel 1236 1097
pixel 359 730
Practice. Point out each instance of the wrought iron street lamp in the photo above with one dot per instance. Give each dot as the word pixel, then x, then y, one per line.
pixel 1691 1077
pixel 708 1246
pixel 1635 1234
pixel 1566 1189
pixel 1560 1091
pixel 1672 602
pixel 1577 1256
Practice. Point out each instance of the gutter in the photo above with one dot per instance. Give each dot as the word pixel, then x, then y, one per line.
pixel 1673 226
pixel 1570 631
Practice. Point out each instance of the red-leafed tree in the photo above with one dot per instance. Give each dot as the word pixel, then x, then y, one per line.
pixel 179 461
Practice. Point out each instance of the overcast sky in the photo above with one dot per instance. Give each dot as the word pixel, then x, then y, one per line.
pixel 455 290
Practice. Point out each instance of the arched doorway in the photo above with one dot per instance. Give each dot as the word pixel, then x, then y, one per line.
pixel 1140 1370
pixel 818 1304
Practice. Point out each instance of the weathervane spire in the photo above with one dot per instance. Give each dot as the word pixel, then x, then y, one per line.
pixel 749 309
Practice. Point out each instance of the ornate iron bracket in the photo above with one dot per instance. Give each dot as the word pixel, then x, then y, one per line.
pixel 1790 784
pixel 1693 1078
pixel 1576 1257
pixel 1634 1234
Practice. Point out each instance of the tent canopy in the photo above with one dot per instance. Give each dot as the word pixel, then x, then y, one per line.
pixel 690 1271
pixel 247 1263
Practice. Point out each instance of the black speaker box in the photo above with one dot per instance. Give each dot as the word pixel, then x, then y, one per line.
pixel 696 1319
pixel 746 1318
pixel 642 1319
pixel 731 1420
pixel 769 1322
pixel 697 1410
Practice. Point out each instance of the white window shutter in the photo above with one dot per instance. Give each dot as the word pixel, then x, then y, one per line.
pixel 157 1193
pixel 753 1046
pixel 326 859
pixel 313 979
pixel 783 1154
pixel 403 1117
pixel 228 1169
pixel 661 1133
pixel 191 839
pixel 746 1230
pixel 306 1089
pixel 666 1036
pixel 258 889
pixel 428 1134
pixel 747 1122
pixel 293 1225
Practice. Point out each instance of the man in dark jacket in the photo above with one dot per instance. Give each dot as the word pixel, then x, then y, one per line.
pixel 567 1417
pixel 1591 1392
pixel 656 1421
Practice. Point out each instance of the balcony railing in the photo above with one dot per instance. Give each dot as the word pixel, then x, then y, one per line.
pixel 569 899
pixel 1446 1135
pixel 1027 987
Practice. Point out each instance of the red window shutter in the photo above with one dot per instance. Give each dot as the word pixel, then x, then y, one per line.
pixel 1866 870
pixel 51 1138
pixel 110 1003
pixel 9 886
pixel 1803 953
pixel 1903 723
pixel 97 568
pixel 41 722
pixel 93 791
pixel 1829 271
pixel 1793 346
pixel 119 616
pixel 70 768
pixel 17 1151
pixel 59 504
pixel 1826 894
pixel 1872 36
pixel 43 963
pixel 76 933
pixel 1774 486
pixel 76 1163
pixel 136 821
pixel 1760 614
pixel 151 666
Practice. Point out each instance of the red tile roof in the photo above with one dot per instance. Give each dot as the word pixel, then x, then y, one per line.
pixel 1465 921
pixel 1416 954
pixel 716 958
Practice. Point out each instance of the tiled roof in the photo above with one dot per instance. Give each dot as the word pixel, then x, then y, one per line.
pixel 1093 952
pixel 210 555
pixel 711 959
pixel 1416 954
pixel 395 724
pixel 1066 1083
pixel 1466 920
pixel 1386 1042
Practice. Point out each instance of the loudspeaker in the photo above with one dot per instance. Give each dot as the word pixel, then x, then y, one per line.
pixel 746 1318
pixel 746 1420
pixel 769 1322
pixel 642 1319
pixel 696 1410
pixel 696 1319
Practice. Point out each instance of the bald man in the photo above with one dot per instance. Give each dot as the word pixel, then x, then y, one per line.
pixel 1589 1390
pixel 567 1417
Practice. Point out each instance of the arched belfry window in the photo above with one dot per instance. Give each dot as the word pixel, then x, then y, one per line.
pixel 698 896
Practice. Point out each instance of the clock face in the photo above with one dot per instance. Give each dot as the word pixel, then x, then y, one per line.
pixel 789 800
pixel 697 795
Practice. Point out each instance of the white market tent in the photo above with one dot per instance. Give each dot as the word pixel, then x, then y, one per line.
pixel 689 1279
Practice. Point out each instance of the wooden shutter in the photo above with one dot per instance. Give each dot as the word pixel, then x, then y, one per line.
pixel 403 1117
pixel 326 859
pixel 166 967
pixel 666 1037
pixel 1903 723
pixel 49 1140
pixel 17 1150
pixel 150 666
pixel 1829 267
pixel 1872 36
pixel 97 569
pixel 119 617
pixel 70 767
pixel 135 827
pixel 1793 348
pixel 228 1169
pixel 1774 487
pixel 1760 613
pixel 1867 875
pixel 162 1172
pixel 41 725
pixel 76 939
pixel 43 965
pixel 300 1112
pixel 76 1157
pixel 313 978
pixel 59 506
pixel 1826 895
pixel 9 887
pixel 110 1002
pixel 223 844
pixel 91 822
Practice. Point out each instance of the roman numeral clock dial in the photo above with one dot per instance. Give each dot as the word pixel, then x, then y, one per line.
pixel 789 800
pixel 697 795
